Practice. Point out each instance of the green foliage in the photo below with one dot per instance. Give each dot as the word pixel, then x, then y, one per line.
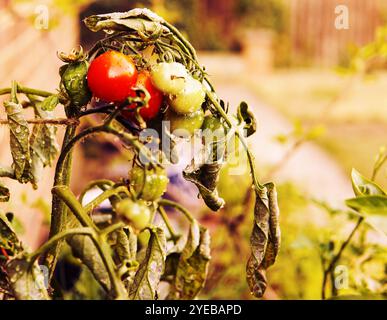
pixel 262 13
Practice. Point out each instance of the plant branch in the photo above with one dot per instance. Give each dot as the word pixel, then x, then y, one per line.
pixel 59 121
pixel 102 183
pixel 66 195
pixel 62 235
pixel 26 90
pixel 164 216
pixel 179 207
pixel 105 195
pixel 337 257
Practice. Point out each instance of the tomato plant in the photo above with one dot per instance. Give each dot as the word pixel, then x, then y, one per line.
pixel 110 243
pixel 111 76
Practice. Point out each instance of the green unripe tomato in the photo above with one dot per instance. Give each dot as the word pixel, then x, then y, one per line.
pixel 73 77
pixel 150 183
pixel 170 77
pixel 190 99
pixel 213 124
pixel 184 126
pixel 213 132
pixel 143 237
pixel 137 212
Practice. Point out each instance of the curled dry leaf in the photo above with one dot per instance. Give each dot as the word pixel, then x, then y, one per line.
pixel 205 174
pixel 264 240
pixel 247 117
pixel 142 21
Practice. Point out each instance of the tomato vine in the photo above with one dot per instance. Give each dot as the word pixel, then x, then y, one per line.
pixel 154 46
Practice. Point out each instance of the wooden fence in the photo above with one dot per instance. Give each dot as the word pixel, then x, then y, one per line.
pixel 314 39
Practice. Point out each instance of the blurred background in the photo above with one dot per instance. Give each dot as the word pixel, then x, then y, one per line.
pixel 317 84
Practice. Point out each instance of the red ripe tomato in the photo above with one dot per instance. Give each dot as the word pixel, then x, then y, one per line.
pixel 111 76
pixel 151 110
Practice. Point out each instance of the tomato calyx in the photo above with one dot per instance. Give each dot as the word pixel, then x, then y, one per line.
pixel 151 99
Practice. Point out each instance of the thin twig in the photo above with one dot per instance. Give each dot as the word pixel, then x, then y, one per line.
pixel 338 256
pixel 59 121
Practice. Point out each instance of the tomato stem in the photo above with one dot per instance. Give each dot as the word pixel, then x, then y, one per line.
pixel 26 90
pixel 58 121
pixel 164 216
pixel 179 207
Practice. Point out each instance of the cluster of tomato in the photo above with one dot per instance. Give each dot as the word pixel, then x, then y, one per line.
pixel 149 185
pixel 113 77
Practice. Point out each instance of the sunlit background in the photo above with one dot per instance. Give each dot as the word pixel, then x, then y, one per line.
pixel 318 88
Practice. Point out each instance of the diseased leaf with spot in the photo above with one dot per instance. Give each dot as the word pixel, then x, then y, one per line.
pixel 363 186
pixel 147 278
pixel 19 142
pixel 192 268
pixel 264 240
pixel 43 145
pixel 4 193
pixel 26 280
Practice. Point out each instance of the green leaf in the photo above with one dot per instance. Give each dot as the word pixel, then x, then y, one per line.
pixel 147 278
pixel 86 288
pixel 264 240
pixel 26 279
pixel 19 143
pixel 84 249
pixel 246 116
pixel 50 103
pixel 363 187
pixel 8 238
pixel 192 268
pixel 138 20
pixel 373 204
pixel 4 193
